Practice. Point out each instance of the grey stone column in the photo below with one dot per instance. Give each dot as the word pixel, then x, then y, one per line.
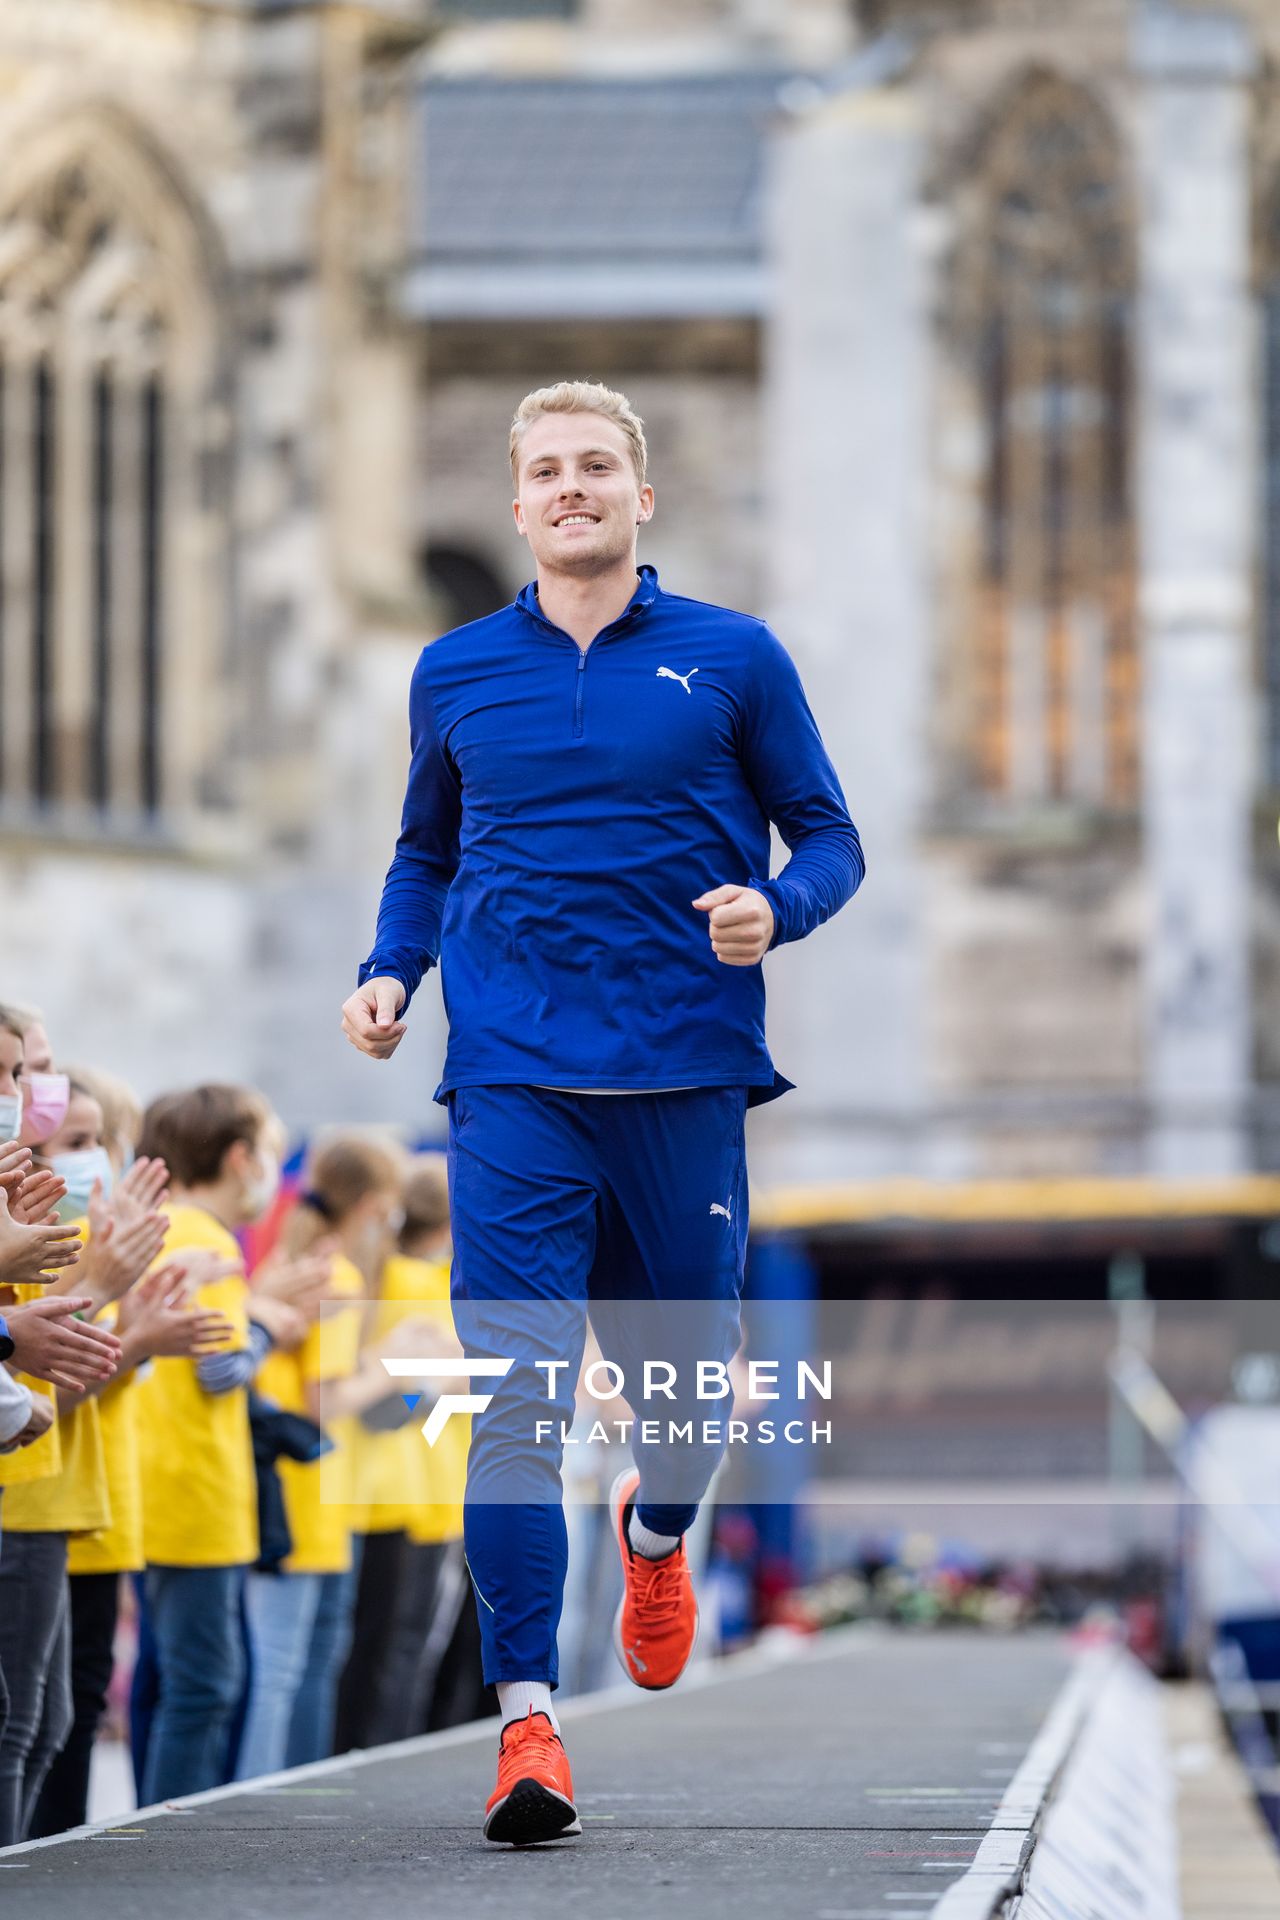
pixel 1196 507
pixel 845 457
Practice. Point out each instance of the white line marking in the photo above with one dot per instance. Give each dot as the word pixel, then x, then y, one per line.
pixel 997 1865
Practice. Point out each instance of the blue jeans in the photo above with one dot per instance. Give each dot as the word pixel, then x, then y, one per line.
pixel 280 1610
pixel 194 1614
pixel 311 1726
pixel 35 1654
pixel 144 1689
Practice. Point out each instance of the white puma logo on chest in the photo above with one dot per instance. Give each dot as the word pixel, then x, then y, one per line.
pixel 665 673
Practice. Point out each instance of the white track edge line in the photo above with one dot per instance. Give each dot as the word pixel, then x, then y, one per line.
pixel 994 1872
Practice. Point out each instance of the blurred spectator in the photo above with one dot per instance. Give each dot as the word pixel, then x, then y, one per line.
pixel 221 1145
pixel 299 1608
pixel 432 1677
pixel 1234 1454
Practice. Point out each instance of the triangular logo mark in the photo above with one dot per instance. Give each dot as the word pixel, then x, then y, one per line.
pixel 411 1400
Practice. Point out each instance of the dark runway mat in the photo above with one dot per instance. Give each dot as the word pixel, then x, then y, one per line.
pixel 853 1782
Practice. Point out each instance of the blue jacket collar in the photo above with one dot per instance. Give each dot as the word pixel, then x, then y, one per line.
pixel 640 601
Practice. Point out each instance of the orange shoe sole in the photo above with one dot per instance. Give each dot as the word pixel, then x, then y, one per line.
pixel 617 1501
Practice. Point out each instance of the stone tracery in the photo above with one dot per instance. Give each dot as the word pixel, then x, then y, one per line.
pixel 99 379
pixel 1053 694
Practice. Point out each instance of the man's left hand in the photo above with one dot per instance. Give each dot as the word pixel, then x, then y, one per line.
pixel 740 922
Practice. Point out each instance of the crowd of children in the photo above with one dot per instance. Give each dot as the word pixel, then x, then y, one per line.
pixel 193 1396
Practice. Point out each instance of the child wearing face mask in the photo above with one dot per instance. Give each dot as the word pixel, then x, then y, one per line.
pixel 299 1612
pixel 122 1235
pixel 391 1515
pixel 151 1318
pixel 15 1022
pixel 431 1677
pixel 56 1486
pixel 199 1498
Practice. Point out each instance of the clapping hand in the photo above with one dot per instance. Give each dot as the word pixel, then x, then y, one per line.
pixel 33 1193
pixel 160 1323
pixel 124 1239
pixel 140 1191
pixel 301 1280
pixel 29 1254
pixel 51 1344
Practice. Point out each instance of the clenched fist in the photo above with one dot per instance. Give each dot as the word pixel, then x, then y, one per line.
pixel 369 1017
pixel 740 922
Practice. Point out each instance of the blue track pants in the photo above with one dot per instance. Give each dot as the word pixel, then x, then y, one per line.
pixel 561 1202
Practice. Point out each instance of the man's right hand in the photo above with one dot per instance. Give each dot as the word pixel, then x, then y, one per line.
pixel 369 1017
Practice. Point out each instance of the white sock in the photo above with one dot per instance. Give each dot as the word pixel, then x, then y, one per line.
pixel 515 1697
pixel 650 1545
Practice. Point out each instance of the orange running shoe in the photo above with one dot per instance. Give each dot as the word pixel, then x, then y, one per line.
pixel 533 1799
pixel 656 1628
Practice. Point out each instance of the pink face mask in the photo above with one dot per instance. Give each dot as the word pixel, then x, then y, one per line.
pixel 45 1099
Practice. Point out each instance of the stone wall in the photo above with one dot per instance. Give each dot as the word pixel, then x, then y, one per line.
pixel 282 136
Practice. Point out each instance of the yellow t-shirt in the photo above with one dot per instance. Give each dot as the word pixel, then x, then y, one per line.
pixel 43 1458
pixel 76 1498
pixel 378 1475
pixel 387 1467
pixel 315 1492
pixel 199 1492
pixel 116 1548
pixel 437 1475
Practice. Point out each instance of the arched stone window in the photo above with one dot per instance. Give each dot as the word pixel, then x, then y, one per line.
pixel 464 583
pixel 1052 681
pixel 112 494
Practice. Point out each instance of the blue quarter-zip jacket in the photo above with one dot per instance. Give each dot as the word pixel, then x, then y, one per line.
pixel 563 810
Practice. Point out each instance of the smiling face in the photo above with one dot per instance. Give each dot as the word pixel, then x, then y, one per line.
pixel 579 500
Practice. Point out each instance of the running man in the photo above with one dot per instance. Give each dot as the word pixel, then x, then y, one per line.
pixel 585 852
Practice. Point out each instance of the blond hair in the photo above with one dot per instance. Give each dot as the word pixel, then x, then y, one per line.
pixel 340 1172
pixel 121 1108
pixel 18 1019
pixel 581 396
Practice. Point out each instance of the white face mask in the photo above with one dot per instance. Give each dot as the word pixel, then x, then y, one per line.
pixel 80 1171
pixel 260 1192
pixel 10 1117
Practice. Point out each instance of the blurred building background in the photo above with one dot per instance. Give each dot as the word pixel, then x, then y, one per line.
pixel 956 331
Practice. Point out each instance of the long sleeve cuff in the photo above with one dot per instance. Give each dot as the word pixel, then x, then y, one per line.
pixel 15 1407
pixel 220 1373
